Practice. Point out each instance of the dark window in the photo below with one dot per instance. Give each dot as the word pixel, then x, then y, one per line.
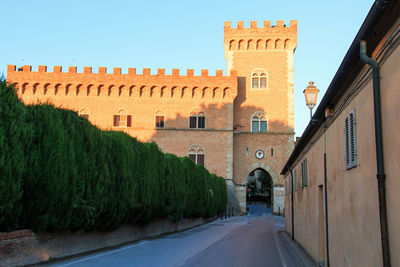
pixel 193 122
pixel 200 159
pixel 196 154
pixel 202 122
pixel 159 121
pixel 193 157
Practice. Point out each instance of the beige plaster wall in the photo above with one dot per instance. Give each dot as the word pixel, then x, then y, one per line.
pixel 354 227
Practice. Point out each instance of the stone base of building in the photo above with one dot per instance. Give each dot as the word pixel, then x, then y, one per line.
pixel 279 200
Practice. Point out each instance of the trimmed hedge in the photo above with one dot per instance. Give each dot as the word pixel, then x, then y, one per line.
pixel 59 172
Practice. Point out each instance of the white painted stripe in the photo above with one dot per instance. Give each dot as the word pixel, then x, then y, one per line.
pixel 105 253
pixel 284 263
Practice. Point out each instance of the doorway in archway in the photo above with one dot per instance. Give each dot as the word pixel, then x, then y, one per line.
pixel 259 189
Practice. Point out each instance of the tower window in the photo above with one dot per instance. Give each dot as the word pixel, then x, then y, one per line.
pixel 160 118
pixel 197 120
pixel 196 153
pixel 258 123
pixel 259 79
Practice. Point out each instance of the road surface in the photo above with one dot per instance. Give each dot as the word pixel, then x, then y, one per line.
pixel 239 241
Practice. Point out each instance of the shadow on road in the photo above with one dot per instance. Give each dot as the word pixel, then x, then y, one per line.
pixel 258 210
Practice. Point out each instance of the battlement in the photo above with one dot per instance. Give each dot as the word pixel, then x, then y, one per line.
pixel 117 71
pixel 276 37
pixel 42 83
pixel 280 24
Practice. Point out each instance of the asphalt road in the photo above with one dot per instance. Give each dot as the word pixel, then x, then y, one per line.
pixel 240 241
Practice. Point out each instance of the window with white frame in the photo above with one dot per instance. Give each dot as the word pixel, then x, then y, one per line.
pixel 259 79
pixel 196 153
pixel 122 119
pixel 197 120
pixel 258 123
pixel 304 174
pixel 350 140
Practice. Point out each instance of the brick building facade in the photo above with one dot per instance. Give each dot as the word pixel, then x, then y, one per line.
pixel 219 121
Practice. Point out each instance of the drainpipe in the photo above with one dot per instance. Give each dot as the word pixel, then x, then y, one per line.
pixel 291 174
pixel 379 153
pixel 326 201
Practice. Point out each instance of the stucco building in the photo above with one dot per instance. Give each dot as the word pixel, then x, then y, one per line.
pixel 342 179
pixel 232 124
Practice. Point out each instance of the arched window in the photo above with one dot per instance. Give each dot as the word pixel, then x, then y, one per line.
pixel 84 113
pixel 259 79
pixel 160 119
pixel 258 123
pixel 197 120
pixel 122 119
pixel 196 153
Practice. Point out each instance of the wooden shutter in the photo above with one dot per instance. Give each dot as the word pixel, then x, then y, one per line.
pixel 350 140
pixel 129 121
pixel 115 123
pixel 352 131
pixel 347 142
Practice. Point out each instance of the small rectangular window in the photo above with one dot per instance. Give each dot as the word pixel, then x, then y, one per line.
pixel 159 121
pixel 290 183
pixel 295 181
pixel 192 122
pixel 202 122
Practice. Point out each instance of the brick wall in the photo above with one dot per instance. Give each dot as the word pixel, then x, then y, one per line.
pixel 24 247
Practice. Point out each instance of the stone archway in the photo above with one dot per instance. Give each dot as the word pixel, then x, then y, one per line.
pixel 259 188
pixel 260 165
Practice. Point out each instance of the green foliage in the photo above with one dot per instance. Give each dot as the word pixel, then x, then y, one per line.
pixel 59 172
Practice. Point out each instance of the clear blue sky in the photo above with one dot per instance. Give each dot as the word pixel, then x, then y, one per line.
pixel 174 34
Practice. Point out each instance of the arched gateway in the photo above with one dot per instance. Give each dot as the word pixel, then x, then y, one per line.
pixel 259 188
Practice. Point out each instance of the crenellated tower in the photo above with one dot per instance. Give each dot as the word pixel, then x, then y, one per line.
pixel 263 108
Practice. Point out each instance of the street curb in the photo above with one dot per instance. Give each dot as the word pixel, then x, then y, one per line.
pixel 293 252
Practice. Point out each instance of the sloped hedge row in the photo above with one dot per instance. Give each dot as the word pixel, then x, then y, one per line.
pixel 59 172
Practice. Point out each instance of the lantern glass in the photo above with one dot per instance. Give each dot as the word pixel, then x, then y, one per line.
pixel 311 93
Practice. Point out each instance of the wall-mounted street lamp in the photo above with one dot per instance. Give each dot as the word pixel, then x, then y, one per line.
pixel 311 93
